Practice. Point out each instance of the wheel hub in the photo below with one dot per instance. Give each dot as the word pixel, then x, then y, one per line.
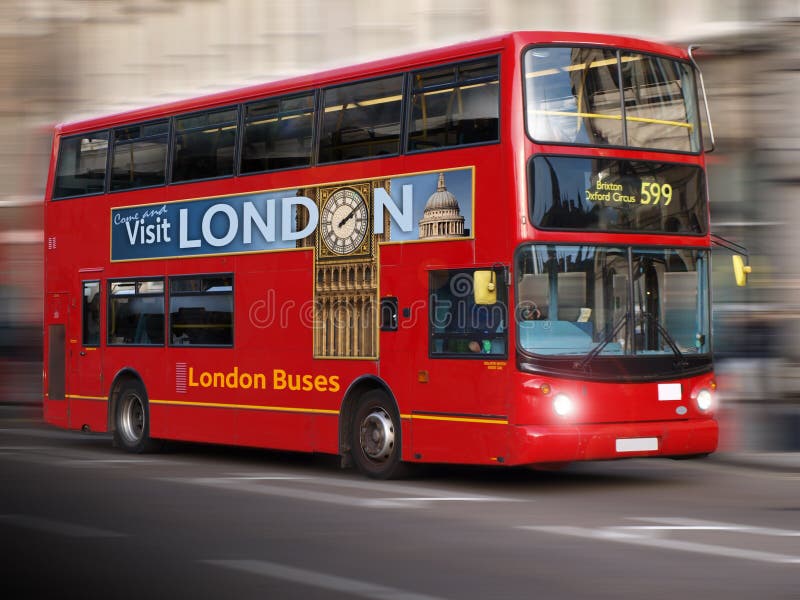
pixel 132 421
pixel 377 435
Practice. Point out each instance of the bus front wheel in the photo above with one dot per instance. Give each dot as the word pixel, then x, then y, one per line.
pixel 132 419
pixel 376 437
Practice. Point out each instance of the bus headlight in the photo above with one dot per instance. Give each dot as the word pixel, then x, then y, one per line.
pixel 704 400
pixel 563 405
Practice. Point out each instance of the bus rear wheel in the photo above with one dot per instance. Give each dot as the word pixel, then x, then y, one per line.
pixel 376 437
pixel 132 419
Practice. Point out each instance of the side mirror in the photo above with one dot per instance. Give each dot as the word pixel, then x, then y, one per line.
pixel 485 287
pixel 741 270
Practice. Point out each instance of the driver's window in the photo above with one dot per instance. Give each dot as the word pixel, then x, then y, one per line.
pixel 458 326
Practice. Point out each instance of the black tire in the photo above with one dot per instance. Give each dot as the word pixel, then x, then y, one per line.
pixel 132 419
pixel 376 437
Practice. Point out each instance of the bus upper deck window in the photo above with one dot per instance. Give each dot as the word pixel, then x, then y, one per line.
pixel 278 133
pixel 660 110
pixel 602 97
pixel 573 96
pixel 81 165
pixel 204 145
pixel 361 120
pixel 139 157
pixel 455 105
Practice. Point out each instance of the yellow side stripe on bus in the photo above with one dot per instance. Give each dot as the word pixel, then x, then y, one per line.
pixel 302 410
pixel 559 113
pixel 290 409
pixel 78 397
pixel 455 419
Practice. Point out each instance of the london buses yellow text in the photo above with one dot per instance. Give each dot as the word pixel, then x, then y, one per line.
pixel 277 380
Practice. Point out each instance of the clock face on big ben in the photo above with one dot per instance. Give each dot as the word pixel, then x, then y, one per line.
pixel 344 221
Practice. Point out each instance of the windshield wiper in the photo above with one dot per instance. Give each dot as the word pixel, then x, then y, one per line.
pixel 584 362
pixel 681 362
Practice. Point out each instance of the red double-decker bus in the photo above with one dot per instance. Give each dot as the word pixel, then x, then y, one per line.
pixel 491 253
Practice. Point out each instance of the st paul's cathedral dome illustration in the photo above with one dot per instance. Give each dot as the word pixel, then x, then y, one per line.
pixel 442 216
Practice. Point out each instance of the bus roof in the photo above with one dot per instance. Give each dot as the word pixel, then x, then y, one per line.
pixel 383 66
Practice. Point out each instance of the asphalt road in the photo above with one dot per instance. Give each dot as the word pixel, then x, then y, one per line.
pixel 80 519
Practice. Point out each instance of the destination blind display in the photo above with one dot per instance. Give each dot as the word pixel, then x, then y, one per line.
pixel 617 195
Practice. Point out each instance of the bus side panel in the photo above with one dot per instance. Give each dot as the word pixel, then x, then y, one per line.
pixel 459 442
pixel 201 424
pixel 55 412
pixel 326 434
pixel 89 413
pixel 282 428
pixel 160 420
pixel 267 429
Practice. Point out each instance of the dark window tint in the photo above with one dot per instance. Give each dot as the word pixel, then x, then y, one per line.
pixel 278 133
pixel 361 120
pixel 617 195
pixel 459 326
pixel 91 313
pixel 389 310
pixel 204 145
pixel 56 362
pixel 139 156
pixel 455 105
pixel 201 310
pixel 136 312
pixel 81 165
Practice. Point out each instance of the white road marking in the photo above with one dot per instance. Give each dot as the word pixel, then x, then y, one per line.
pixel 392 487
pixel 680 524
pixel 403 502
pixel 345 585
pixel 271 477
pixel 645 535
pixel 259 484
pixel 71 459
pixel 253 487
pixel 57 527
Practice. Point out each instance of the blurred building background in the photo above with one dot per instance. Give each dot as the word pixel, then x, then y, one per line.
pixel 66 59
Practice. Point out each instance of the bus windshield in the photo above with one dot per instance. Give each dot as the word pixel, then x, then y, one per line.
pixel 604 97
pixel 612 300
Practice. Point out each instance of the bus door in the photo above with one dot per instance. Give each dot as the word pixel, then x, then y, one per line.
pixel 461 399
pixel 85 381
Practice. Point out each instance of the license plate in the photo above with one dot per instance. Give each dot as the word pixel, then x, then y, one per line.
pixel 669 391
pixel 637 444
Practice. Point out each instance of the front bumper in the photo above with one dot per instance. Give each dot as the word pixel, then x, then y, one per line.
pixel 608 441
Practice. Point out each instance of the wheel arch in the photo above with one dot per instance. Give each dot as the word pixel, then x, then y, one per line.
pixel 122 376
pixel 354 392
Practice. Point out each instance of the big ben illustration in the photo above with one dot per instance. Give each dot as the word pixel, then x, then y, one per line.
pixel 346 270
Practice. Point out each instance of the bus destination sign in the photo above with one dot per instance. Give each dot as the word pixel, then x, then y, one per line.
pixel 630 192
pixel 607 194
